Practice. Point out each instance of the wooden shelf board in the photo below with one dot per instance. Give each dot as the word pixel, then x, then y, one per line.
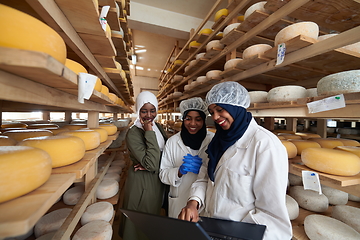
pixel 118 41
pixel 106 61
pixel 218 22
pixel 112 19
pixel 110 3
pixel 19 215
pixel 99 45
pixel 229 72
pixel 212 52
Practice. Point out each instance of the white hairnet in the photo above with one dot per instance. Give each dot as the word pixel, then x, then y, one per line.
pixel 195 103
pixel 231 93
pixel 145 97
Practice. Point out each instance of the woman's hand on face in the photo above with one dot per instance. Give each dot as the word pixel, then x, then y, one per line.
pixel 146 124
pixel 190 212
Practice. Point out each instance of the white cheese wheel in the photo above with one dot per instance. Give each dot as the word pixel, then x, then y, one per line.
pixel 290 148
pixel 331 161
pixel 259 6
pixel 192 63
pixel 110 128
pixel 177 94
pixel 114 176
pixel 232 63
pixel 230 27
pixel 200 55
pixel 119 162
pixel 355 47
pixel 304 144
pixel 51 221
pixel 114 169
pixel 214 44
pixel 94 230
pixel 97 211
pixel 258 96
pixel 320 227
pixel 72 195
pixel 257 49
pixel 353 198
pixel 213 74
pixel 47 236
pixel 311 92
pixel 347 214
pixel 186 68
pixel 309 199
pixel 295 180
pixel 187 87
pixel 201 79
pixel 107 189
pixel 286 93
pixel 20 135
pixel 335 196
pixel 91 138
pixel 22 170
pixel 292 207
pixel 308 29
pixel 63 150
pixel 7 141
pixel 178 78
pixel 339 83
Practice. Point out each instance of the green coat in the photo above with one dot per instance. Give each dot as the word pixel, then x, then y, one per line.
pixel 143 189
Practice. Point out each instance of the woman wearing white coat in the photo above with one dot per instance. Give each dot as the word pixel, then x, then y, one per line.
pixel 246 176
pixel 184 153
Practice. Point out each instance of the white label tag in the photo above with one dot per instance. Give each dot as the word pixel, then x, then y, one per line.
pixel 102 18
pixel 311 181
pixel 280 53
pixel 86 84
pixel 327 104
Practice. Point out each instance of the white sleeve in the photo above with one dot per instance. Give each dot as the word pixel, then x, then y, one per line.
pixel 168 169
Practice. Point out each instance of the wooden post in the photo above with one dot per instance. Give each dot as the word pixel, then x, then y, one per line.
pixel 1 107
pixel 68 117
pixel 115 116
pixel 93 119
pixel 46 115
pixel 269 123
pixel 291 124
pixel 322 127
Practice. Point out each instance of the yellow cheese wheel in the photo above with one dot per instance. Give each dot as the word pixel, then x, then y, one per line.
pixel 91 138
pixel 304 144
pixel 59 130
pixel 240 18
pixel 7 141
pixel 19 135
pixel 205 31
pixel 290 148
pixel 110 128
pixel 353 149
pixel 290 136
pixel 281 137
pixel 75 66
pixel 118 66
pixel 327 142
pixel 113 97
pixel 75 126
pixel 194 44
pixel 103 133
pixel 29 33
pixel 22 170
pixel 331 161
pixel 348 142
pixel 98 85
pixel 43 125
pixel 14 125
pixel 220 13
pixel 105 90
pixel 306 136
pixel 63 150
pixel 108 31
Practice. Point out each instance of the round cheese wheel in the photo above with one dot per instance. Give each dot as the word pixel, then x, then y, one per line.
pixel 331 161
pixel 98 211
pixel 107 189
pixel 7 141
pixel 20 135
pixel 339 83
pixel 98 85
pixel 292 207
pixel 291 136
pixel 220 13
pixel 232 63
pixel 110 128
pixel 213 74
pixel 103 133
pixel 29 33
pixel 335 196
pixel 308 29
pixel 63 150
pixel 281 137
pixel 259 6
pixel 309 199
pixel 290 148
pixel 118 66
pixel 178 62
pixel 192 63
pixel 51 221
pixel 304 144
pixel 257 49
pixel 347 214
pixel 75 66
pixel 349 142
pixel 258 96
pixel 311 92
pixel 72 195
pixel 119 162
pixel 194 44
pixel 306 136
pixel 352 149
pixel 214 44
pixel 91 138
pixel 295 180
pixel 286 93
pixel 114 169
pixel 177 94
pixel 205 31
pixel 201 79
pixel 56 131
pixel 353 198
pixel 320 227
pixel 113 175
pixel 22 170
pixel 105 90
pixel 230 27
pixel 327 142
pixel 355 47
pixel 113 97
pixel 43 125
pixel 94 230
pixel 13 125
pixel 75 126
pixel 200 55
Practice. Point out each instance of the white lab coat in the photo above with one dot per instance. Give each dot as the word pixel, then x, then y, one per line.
pixel 171 161
pixel 250 184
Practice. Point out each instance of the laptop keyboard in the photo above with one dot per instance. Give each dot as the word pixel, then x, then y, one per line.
pixel 222 237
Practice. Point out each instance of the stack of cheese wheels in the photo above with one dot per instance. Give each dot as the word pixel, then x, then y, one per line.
pixel 55 145
pixel 309 199
pixel 331 161
pixel 286 93
pixel 75 66
pixel 230 27
pixel 107 189
pixel 308 29
pixel 258 96
pixel 109 127
pixel 98 211
pixel 7 141
pixel 232 63
pixel 327 142
pixel 295 180
pixel 91 138
pixel 259 6
pixel 352 149
pixel 23 169
pixel 257 49
pixel 20 135
pixel 73 195
pixel 51 221
pixel 29 33
pixel 347 214
pixel 339 83
pixel 306 136
pixel 304 144
pixel 94 230
pixel 290 148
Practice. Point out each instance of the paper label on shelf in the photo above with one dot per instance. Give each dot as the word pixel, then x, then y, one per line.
pixel 280 53
pixel 102 18
pixel 311 181
pixel 86 85
pixel 327 104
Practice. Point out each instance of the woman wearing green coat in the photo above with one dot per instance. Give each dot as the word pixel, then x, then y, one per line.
pixel 145 141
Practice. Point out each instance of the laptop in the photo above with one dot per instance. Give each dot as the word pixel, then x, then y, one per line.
pixel 157 227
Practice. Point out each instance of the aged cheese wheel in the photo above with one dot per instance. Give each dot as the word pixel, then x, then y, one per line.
pixel 98 211
pixel 200 55
pixel 292 207
pixel 230 27
pixel 258 96
pixel 308 29
pixel 257 49
pixel 347 214
pixel 91 138
pixel 306 136
pixel 339 83
pixel 107 189
pixel 311 92
pixel 43 125
pixel 51 221
pixel 20 135
pixel 331 161
pixel 94 230
pixel 352 149
pixel 98 85
pixel 304 144
pixel 295 180
pixel 177 94
pixel 291 136
pixel 220 13
pixel 192 62
pixel 75 66
pixel 63 150
pixel 309 199
pixel 114 169
pixel 349 142
pixel 201 79
pixel 7 141
pixel 113 175
pixel 113 97
pixel 232 63
pixel 14 125
pixel 110 128
pixel 355 47
pixel 29 33
pixel 119 162
pixel 214 44
pixel 290 148
pixel 320 227
pixel 286 93
pixel 353 198
pixel 72 195
pixel 205 31
pixel 194 44
pixel 327 142
pixel 105 90
pixel 213 74
pixel 75 126
pixel 260 6
pixel 335 196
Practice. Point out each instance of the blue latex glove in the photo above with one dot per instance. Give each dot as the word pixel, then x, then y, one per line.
pixel 196 164
pixel 191 164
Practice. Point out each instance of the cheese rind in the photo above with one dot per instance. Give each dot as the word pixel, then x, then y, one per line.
pixel 351 149
pixel 327 142
pixel 110 128
pixel 339 83
pixel 51 221
pixel 107 189
pixel 98 211
pixel 20 135
pixel 286 93
pixel 290 148
pixel 7 141
pixel 91 138
pixel 308 29
pixel 72 195
pixel 94 230
pixel 292 207
pixel 347 214
pixel 304 144
pixel 309 199
pixel 75 66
